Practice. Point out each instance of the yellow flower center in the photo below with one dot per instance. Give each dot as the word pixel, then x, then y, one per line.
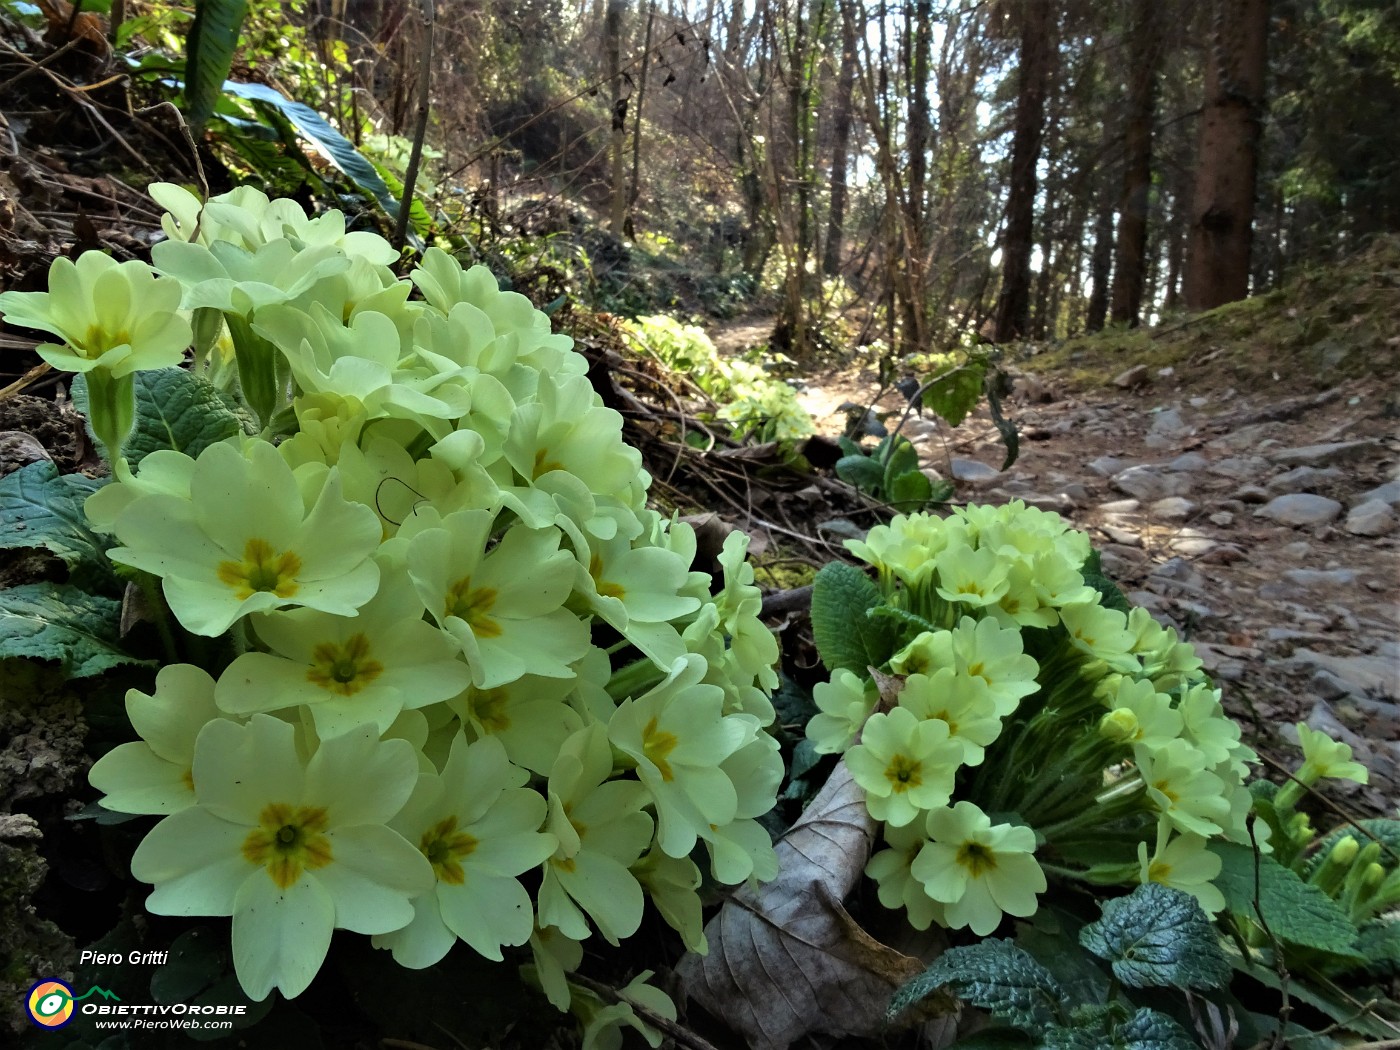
pixel 473 605
pixel 656 745
pixel 287 841
pixel 1159 871
pixel 261 570
pixel 445 847
pixel 977 859
pixel 543 464
pixel 1164 786
pixel 98 340
pixel 343 669
pixel 904 773
pixel 602 586
pixel 490 707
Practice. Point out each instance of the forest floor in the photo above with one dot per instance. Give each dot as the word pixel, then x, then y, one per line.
pixel 1258 516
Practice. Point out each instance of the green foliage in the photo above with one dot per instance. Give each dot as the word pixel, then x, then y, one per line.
pixel 1158 937
pixel 891 474
pixel 175 410
pixel 328 142
pixel 41 508
pixel 1297 912
pixel 60 622
pixel 997 976
pixel 756 404
pixel 955 392
pixel 846 636
pixel 1155 937
pixel 1113 596
pixel 209 56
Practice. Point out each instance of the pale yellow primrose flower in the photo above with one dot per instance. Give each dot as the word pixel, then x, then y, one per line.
pixel 977 870
pixel 962 702
pixel 291 849
pixel 119 317
pixel 1324 757
pixel 1183 863
pixel 892 871
pixel 477 826
pixel 677 734
pixel 1182 789
pixel 844 703
pixel 153 774
pixel 602 829
pixel 504 607
pixel 245 542
pixel 905 766
pixel 985 649
pixel 347 670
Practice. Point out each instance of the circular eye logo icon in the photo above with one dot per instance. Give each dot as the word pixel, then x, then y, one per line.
pixel 50 1004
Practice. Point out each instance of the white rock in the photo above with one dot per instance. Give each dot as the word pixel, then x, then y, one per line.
pixel 1389 494
pixel 973 472
pixel 1321 455
pixel 1173 508
pixel 1372 518
pixel 1150 483
pixel 1302 479
pixel 1300 508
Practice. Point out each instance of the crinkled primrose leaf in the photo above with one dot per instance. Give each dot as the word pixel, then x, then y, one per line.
pixel 1158 937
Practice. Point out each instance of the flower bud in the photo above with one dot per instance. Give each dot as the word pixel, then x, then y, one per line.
pixel 1119 725
pixel 1328 875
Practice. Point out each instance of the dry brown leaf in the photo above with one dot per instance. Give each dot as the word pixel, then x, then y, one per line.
pixel 786 959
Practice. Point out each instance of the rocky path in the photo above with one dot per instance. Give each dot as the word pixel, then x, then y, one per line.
pixel 1265 527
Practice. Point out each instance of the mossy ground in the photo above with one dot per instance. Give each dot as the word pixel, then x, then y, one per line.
pixel 1327 325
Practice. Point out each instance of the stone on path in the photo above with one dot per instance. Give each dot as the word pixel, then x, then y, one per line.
pixel 1372 518
pixel 1188 461
pixel 973 472
pixel 1300 508
pixel 1172 508
pixel 1332 452
pixel 1149 483
pixel 1389 493
pixel 1302 479
pixel 1133 377
pixel 1167 429
pixel 1107 466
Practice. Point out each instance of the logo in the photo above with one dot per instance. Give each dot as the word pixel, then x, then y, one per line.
pixel 50 1002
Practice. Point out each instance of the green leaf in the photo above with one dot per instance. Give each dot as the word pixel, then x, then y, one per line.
pixel 846 637
pixel 1007 429
pixel 909 491
pixel 1113 597
pixel 898 455
pixel 328 142
pixel 209 55
pixel 1379 942
pixel 995 975
pixel 60 622
pixel 955 393
pixel 1296 911
pixel 174 409
pixel 996 1039
pixel 861 471
pixel 1158 937
pixel 1150 1030
pixel 39 507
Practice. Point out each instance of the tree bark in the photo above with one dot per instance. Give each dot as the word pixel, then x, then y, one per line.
pixel 1037 56
pixel 1222 211
pixel 841 142
pixel 1144 58
pixel 612 53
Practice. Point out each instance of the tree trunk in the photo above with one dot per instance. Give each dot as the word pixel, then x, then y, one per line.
pixel 1037 56
pixel 1222 210
pixel 841 142
pixel 635 190
pixel 1144 57
pixel 612 52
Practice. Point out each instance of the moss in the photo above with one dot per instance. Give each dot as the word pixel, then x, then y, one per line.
pixel 1324 326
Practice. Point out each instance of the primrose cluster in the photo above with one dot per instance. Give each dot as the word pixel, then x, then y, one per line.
pixel 476 692
pixel 1024 727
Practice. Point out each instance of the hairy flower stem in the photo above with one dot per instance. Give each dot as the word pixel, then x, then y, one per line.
pixel 634 679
